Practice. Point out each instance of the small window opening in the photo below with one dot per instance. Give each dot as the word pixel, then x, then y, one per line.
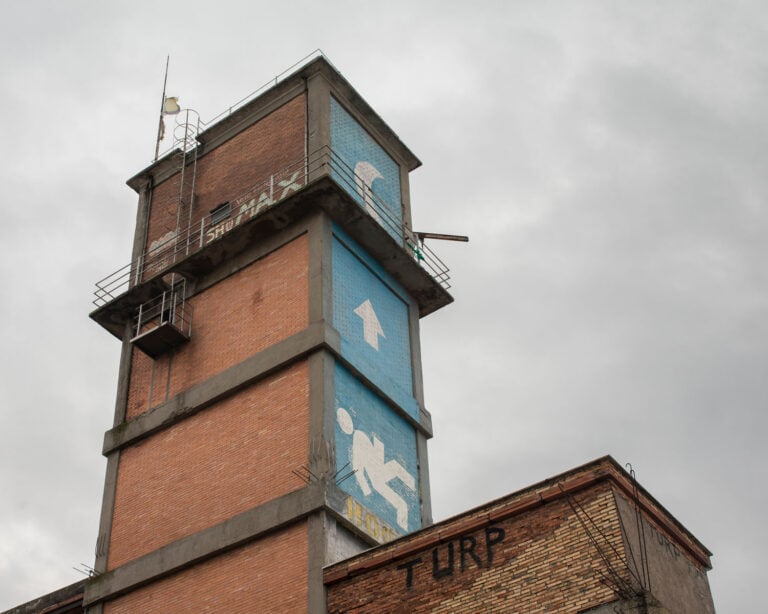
pixel 221 212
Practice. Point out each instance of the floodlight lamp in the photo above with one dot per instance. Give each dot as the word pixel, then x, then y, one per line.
pixel 171 105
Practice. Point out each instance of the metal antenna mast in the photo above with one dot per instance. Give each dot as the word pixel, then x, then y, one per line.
pixel 160 124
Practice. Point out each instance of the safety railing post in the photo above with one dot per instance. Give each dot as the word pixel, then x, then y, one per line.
pixel 162 308
pixel 138 323
pixel 139 267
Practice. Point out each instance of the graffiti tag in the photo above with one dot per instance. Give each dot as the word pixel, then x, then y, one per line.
pixel 368 522
pixel 253 207
pixel 466 548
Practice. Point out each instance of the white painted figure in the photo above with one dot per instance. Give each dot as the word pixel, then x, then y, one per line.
pixel 371 471
pixel 365 174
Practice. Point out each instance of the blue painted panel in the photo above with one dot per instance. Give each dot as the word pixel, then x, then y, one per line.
pixel 371 315
pixel 381 447
pixel 366 166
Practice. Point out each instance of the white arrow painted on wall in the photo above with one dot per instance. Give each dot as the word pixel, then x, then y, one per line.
pixel 371 325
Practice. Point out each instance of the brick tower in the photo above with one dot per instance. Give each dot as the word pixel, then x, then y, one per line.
pixel 270 416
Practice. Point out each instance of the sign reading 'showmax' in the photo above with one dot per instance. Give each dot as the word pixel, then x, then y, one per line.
pixel 242 209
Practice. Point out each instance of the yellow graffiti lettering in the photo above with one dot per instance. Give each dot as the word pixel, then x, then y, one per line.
pixel 372 525
pixel 368 522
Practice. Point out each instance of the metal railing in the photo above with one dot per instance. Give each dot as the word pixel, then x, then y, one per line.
pixel 179 244
pixel 170 307
pixel 201 125
pixel 382 213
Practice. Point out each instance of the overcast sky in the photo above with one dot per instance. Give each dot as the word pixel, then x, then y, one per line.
pixel 607 160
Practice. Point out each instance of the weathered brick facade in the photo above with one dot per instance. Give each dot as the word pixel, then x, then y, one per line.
pixel 225 460
pixel 271 573
pixel 570 544
pixel 230 170
pixel 243 314
pixel 565 545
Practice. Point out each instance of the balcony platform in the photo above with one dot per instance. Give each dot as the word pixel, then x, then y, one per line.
pixel 323 193
pixel 160 339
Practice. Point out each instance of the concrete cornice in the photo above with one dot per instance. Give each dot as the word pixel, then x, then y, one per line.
pixel 207 543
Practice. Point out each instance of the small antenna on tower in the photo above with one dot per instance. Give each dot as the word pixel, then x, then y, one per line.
pixel 168 106
pixel 86 570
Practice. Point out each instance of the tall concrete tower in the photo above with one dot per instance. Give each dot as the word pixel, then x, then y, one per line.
pixel 270 418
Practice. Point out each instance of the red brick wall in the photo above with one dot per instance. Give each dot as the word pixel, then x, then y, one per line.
pixel 272 144
pixel 234 167
pixel 269 575
pixel 540 561
pixel 211 466
pixel 239 316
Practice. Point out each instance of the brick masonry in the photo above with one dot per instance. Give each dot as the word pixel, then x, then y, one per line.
pixel 229 458
pixel 247 312
pixel 271 572
pixel 559 546
pixel 231 169
pixel 540 561
pixel 563 545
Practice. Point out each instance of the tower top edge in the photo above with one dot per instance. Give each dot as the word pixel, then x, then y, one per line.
pixel 279 89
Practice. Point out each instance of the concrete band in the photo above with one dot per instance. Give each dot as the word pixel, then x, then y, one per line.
pixel 220 386
pixel 207 543
pixel 316 337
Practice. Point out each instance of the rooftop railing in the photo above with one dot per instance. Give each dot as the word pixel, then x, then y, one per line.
pixel 184 127
pixel 163 322
pixel 256 201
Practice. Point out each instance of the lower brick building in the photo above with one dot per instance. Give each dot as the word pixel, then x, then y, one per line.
pixel 588 540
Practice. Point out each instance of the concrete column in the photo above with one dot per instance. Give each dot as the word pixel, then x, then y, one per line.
pixel 318 126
